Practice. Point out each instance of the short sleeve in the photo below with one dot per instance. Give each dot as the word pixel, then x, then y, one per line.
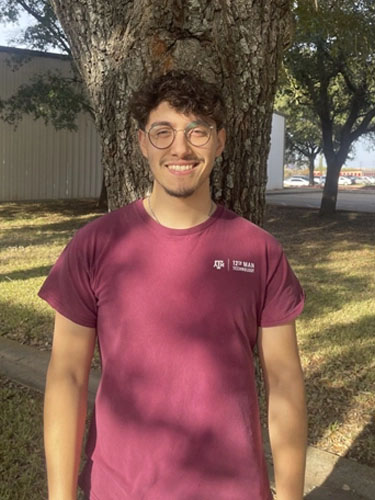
pixel 68 289
pixel 284 297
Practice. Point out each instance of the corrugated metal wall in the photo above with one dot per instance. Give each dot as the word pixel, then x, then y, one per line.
pixel 38 162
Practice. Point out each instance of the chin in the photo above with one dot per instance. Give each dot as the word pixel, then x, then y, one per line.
pixel 182 193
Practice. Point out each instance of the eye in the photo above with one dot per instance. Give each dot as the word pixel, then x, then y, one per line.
pixel 199 132
pixel 161 132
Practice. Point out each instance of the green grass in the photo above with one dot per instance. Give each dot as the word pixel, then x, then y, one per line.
pixel 32 235
pixel 22 464
pixel 334 259
pixel 22 469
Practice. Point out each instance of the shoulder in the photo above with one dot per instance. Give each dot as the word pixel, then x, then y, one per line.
pixel 244 230
pixel 104 231
pixel 119 219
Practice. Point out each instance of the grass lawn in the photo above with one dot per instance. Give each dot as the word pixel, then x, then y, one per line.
pixel 334 259
pixel 22 465
pixel 22 470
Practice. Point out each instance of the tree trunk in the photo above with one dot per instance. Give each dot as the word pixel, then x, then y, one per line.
pixel 103 199
pixel 311 169
pixel 117 45
pixel 330 191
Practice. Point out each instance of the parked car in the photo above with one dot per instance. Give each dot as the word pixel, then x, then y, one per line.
pixel 323 180
pixel 344 181
pixel 368 179
pixel 296 181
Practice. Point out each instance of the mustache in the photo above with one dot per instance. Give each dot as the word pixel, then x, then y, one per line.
pixel 191 158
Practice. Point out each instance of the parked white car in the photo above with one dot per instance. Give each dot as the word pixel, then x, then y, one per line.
pixel 296 181
pixel 367 179
pixel 344 181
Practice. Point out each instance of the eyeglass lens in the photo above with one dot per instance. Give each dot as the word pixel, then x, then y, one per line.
pixel 162 136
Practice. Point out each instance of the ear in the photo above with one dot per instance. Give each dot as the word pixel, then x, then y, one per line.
pixel 142 140
pixel 221 137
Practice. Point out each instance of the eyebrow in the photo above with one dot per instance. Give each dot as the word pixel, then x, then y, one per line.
pixel 198 122
pixel 160 123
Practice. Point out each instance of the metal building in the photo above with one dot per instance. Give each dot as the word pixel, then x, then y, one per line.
pixel 36 161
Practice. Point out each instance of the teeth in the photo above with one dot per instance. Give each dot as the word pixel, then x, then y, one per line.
pixel 180 168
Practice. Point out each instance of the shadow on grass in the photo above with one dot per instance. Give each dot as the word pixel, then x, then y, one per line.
pixel 26 325
pixel 24 274
pixel 330 398
pixel 327 290
pixel 43 234
pixel 339 381
pixel 357 451
pixel 22 458
pixel 31 210
pixel 295 227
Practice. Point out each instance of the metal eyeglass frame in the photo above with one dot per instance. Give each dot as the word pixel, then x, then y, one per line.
pixel 185 130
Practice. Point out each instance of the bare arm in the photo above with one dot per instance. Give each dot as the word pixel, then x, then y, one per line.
pixel 287 420
pixel 65 405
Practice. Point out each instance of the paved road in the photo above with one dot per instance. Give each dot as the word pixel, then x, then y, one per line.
pixel 347 200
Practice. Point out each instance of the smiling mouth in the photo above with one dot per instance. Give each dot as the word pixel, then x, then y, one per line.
pixel 182 168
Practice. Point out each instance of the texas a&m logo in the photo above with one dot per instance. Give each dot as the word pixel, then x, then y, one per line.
pixel 219 264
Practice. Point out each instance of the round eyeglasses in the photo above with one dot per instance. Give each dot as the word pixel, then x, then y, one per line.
pixel 162 136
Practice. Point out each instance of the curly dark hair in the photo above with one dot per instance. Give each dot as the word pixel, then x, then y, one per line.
pixel 184 91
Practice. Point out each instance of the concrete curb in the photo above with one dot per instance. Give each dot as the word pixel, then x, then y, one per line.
pixel 328 477
pixel 28 366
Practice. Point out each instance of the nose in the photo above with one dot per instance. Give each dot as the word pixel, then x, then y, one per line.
pixel 180 145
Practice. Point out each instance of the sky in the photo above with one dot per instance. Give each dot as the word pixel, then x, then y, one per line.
pixel 363 156
pixel 10 30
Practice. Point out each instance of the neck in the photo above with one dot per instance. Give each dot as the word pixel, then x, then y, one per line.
pixel 179 213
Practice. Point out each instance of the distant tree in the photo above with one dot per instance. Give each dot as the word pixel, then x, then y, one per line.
pixel 303 140
pixel 332 66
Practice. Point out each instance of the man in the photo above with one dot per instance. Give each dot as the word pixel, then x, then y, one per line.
pixel 178 292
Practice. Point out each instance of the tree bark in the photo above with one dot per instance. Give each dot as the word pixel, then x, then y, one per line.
pixel 103 199
pixel 311 169
pixel 330 191
pixel 335 160
pixel 238 44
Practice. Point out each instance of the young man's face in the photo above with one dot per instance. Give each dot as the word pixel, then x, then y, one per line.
pixel 181 169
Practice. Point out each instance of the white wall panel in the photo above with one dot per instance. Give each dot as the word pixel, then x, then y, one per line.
pixel 275 165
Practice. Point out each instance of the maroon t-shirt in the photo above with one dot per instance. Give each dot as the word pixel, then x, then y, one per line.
pixel 177 314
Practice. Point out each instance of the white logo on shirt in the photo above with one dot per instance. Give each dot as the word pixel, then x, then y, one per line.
pixel 243 265
pixel 219 264
pixel 237 265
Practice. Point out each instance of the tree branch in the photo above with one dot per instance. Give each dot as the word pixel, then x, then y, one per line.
pixel 55 31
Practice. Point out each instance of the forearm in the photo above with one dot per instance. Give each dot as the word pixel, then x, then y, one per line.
pixel 288 436
pixel 64 422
